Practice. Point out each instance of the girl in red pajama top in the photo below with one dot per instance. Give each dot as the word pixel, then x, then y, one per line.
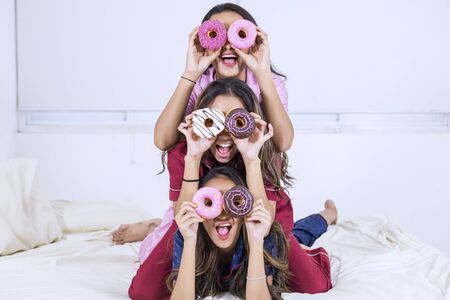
pixel 265 173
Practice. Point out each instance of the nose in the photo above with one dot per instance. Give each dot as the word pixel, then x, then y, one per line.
pixel 223 216
pixel 224 133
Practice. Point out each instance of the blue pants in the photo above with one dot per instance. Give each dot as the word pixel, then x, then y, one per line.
pixel 308 229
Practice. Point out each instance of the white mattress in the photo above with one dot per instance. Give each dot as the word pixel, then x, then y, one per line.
pixel 371 258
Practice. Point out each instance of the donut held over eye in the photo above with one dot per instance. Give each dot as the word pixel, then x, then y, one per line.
pixel 209 202
pixel 242 34
pixel 212 35
pixel 239 123
pixel 208 122
pixel 238 201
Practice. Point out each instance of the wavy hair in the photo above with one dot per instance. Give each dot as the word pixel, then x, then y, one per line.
pixel 207 255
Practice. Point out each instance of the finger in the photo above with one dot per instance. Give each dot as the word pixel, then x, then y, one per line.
pixel 188 119
pixel 183 128
pixel 255 115
pixel 193 221
pixel 269 134
pixel 186 217
pixel 185 207
pixel 240 53
pixel 213 56
pixel 193 35
pixel 260 217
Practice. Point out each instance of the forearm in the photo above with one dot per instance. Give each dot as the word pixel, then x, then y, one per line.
pixel 185 283
pixel 191 171
pixel 166 132
pixel 283 134
pixel 256 287
pixel 255 184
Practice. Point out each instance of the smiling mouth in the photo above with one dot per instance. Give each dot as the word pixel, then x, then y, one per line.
pixel 229 59
pixel 224 149
pixel 223 231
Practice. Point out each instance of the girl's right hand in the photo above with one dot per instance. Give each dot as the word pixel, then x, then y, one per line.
pixel 197 58
pixel 196 146
pixel 187 220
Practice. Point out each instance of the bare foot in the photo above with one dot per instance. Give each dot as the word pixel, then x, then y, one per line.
pixel 128 233
pixel 330 212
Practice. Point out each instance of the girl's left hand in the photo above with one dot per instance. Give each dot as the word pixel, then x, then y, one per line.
pixel 258 57
pixel 258 223
pixel 250 147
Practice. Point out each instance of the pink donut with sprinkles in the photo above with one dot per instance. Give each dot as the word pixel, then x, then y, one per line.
pixel 242 34
pixel 212 35
pixel 209 202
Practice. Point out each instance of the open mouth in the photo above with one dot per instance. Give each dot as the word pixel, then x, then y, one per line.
pixel 224 149
pixel 229 60
pixel 223 230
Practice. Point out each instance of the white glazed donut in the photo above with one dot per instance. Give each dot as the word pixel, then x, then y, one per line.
pixel 208 122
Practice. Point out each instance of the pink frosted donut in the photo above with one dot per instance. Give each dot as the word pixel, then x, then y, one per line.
pixel 212 35
pixel 242 34
pixel 209 201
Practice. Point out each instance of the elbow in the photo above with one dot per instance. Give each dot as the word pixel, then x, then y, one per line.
pixel 285 143
pixel 160 142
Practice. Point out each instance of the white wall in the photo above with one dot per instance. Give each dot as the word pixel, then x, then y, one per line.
pixel 8 122
pixel 402 176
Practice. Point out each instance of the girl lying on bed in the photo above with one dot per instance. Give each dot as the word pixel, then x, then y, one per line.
pixel 246 256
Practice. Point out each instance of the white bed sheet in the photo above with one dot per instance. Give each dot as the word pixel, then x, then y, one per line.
pixel 371 258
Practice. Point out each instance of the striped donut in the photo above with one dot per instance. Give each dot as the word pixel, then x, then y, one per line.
pixel 208 122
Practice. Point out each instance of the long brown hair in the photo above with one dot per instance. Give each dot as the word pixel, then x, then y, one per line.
pixel 207 256
pixel 274 164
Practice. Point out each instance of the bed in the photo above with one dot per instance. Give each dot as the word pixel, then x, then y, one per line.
pixel 371 258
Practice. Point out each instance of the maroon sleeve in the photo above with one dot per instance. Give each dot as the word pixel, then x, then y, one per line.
pixel 175 165
pixel 284 212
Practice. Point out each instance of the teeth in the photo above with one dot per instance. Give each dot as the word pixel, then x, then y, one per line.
pixel 224 145
pixel 224 225
pixel 228 56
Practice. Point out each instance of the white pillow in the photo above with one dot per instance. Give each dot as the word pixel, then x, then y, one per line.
pixel 26 221
pixel 84 216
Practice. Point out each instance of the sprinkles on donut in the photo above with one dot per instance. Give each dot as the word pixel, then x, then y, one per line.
pixel 212 35
pixel 239 123
pixel 238 201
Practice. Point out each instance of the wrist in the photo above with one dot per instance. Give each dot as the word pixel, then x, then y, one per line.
pixel 193 158
pixel 251 162
pixel 190 242
pixel 262 74
pixel 256 245
pixel 192 75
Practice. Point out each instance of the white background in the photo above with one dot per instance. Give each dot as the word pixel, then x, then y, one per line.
pixel 387 58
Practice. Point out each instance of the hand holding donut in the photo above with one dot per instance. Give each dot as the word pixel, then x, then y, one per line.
pixel 197 58
pixel 250 147
pixel 258 58
pixel 187 220
pixel 258 223
pixel 196 145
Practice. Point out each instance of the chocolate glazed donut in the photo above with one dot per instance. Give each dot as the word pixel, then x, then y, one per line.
pixel 239 123
pixel 238 201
